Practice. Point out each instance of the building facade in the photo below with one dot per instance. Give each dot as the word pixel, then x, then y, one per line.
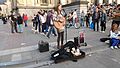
pixel 103 1
pixel 31 7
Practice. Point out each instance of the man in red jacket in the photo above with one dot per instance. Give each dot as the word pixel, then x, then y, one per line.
pixel 25 19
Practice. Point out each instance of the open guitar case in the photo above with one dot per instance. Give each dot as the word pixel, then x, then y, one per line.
pixel 62 55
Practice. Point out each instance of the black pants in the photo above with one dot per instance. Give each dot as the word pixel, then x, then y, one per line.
pixel 13 26
pixel 43 27
pixel 33 24
pixel 37 26
pixel 60 37
pixel 103 26
pixel 87 23
pixel 96 22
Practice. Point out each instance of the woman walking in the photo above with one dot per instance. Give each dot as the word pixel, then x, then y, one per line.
pixel 20 23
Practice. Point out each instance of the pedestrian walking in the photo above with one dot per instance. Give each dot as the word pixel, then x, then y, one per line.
pixel 96 17
pixel 38 23
pixel 25 19
pixel 103 20
pixel 4 18
pixel 74 17
pixel 43 22
pixel 13 23
pixel 50 20
pixel 82 17
pixel 20 23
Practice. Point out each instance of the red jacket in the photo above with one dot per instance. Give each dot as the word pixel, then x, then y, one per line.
pixel 25 18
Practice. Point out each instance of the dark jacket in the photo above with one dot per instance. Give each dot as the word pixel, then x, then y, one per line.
pixel 103 17
pixel 49 18
pixel 94 16
pixel 19 20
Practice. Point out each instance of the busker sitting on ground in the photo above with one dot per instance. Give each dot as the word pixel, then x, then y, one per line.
pixel 115 36
pixel 68 52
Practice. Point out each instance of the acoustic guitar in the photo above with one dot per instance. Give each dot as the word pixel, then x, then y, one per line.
pixel 59 25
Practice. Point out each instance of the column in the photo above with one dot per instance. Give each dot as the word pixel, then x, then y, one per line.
pixel 33 3
pixel 14 3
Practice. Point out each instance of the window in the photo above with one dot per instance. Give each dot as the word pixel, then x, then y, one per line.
pixel 20 2
pixel 44 1
pixel 37 1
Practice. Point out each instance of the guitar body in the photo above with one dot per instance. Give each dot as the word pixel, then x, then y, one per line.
pixel 59 25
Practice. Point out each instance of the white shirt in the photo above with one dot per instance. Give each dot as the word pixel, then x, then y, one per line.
pixel 42 18
pixel 74 14
pixel 113 34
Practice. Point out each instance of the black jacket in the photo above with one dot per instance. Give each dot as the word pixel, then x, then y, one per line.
pixel 19 20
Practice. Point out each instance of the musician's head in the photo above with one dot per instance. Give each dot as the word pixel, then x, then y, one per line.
pixel 59 8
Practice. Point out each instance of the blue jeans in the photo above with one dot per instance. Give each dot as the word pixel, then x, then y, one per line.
pixel 115 42
pixel 20 28
pixel 73 22
pixel 52 29
pixel 82 22
pixel 25 23
pixel 46 29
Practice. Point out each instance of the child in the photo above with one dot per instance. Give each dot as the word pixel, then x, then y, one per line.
pixel 114 35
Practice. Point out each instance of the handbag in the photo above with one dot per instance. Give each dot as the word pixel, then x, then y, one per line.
pixel 43 46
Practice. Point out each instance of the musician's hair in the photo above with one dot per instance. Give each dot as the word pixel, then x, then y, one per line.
pixel 58 6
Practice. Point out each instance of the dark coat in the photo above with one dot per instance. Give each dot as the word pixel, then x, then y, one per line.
pixel 94 16
pixel 19 20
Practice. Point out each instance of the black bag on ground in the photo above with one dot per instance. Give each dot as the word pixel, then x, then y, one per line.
pixel 43 46
pixel 104 39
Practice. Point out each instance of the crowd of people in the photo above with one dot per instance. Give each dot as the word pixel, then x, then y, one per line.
pixel 97 16
pixel 16 21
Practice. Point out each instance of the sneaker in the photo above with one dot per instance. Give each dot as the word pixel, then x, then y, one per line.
pixel 103 31
pixel 116 47
pixel 112 47
pixel 100 31
pixel 107 42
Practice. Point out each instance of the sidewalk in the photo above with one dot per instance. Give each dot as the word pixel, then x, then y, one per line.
pixel 30 55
